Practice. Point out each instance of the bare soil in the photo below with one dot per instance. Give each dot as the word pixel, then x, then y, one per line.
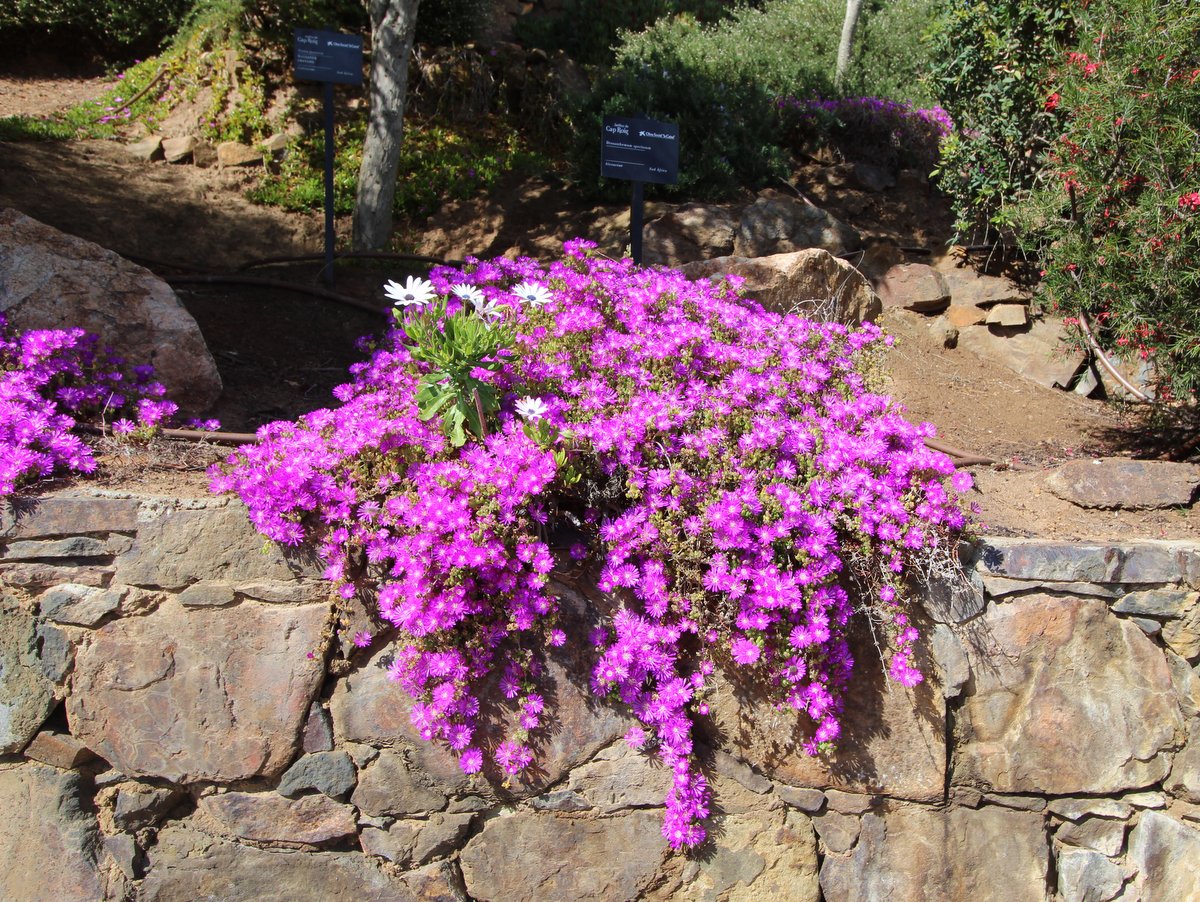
pixel 281 351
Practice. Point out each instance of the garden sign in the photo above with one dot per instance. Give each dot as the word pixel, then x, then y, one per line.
pixel 639 150
pixel 332 58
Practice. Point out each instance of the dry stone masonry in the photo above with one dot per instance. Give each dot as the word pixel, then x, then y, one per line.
pixel 180 720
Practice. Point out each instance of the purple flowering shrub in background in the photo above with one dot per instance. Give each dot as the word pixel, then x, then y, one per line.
pixel 49 379
pixel 731 471
pixel 868 129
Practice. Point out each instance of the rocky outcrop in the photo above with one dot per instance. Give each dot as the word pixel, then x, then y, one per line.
pixel 51 280
pixel 216 745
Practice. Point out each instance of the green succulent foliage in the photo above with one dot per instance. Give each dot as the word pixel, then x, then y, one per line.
pixel 455 347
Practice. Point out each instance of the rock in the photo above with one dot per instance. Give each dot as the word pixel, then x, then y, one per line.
pixel 538 855
pixel 1183 635
pixel 1100 834
pixel 59 750
pixel 50 280
pixel 204 155
pixel 179 150
pixel 148 149
pixel 1037 352
pixel 1166 854
pixel 215 543
pixel 914 286
pixel 234 153
pixel 944 333
pixel 122 850
pixel 1077 809
pixel 299 591
pixel 49 841
pixel 807 800
pixel 42 576
pixel 186 865
pixel 1048 561
pixel 1166 603
pixel 687 233
pixel 80 605
pixel 918 853
pixel 207 594
pixel 73 548
pixel 962 315
pixel 971 288
pixel 621 777
pixel 331 773
pixel 848 802
pixel 276 144
pixel 66 514
pixel 838 832
pixel 859 175
pixel 1015 802
pixel 1061 735
pixel 1088 877
pixel 1145 799
pixel 388 786
pixel 318 730
pixel 1007 315
pixel 956 598
pixel 439 836
pixel 26 694
pixel 1185 772
pixel 954 669
pixel 395 843
pixel 781 225
pixel 812 283
pixel 57 653
pixel 203 694
pixel 1118 483
pixel 269 818
pixel 141 805
pixel 562 800
pixel 892 741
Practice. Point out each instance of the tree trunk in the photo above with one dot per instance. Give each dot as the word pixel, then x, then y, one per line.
pixel 846 44
pixel 392 25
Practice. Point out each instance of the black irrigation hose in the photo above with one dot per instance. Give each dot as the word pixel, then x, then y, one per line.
pixel 322 293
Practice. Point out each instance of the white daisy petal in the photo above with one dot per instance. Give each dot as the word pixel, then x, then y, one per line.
pixel 414 292
pixel 532 293
pixel 531 408
pixel 467 293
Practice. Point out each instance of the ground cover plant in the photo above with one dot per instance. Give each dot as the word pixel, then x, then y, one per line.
pixel 738 487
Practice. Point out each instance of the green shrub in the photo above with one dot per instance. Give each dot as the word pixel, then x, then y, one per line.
pixel 105 28
pixel 989 70
pixel 1118 215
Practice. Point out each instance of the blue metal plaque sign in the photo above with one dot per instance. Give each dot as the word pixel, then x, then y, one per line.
pixel 329 56
pixel 640 150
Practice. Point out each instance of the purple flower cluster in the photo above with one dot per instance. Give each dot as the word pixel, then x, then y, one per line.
pixel 733 472
pixel 48 379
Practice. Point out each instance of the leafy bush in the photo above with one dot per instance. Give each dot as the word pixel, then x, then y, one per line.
pixel 102 27
pixel 1119 215
pixel 720 83
pixel 990 62
pixel 725 468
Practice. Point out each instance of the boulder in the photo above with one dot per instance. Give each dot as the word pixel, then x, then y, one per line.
pixel 1038 351
pixel 1118 483
pixel 179 150
pixel 969 287
pixel 687 233
pixel 198 694
pixel 775 224
pixel 51 280
pixel 234 153
pixel 812 283
pixel 914 286
pixel 1061 734
pixel 148 149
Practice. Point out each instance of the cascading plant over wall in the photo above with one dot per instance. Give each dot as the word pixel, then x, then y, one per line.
pixel 740 489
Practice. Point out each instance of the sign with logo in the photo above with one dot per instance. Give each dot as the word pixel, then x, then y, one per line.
pixel 329 56
pixel 640 150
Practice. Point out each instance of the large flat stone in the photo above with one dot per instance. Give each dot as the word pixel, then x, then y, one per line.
pixel 266 817
pixel 199 694
pixel 1166 853
pixel 912 853
pixel 186 865
pixel 49 841
pixel 26 691
pixel 1118 483
pixel 1037 351
pixel 215 543
pixel 66 514
pixel 1131 563
pixel 1066 699
pixel 49 280
pixel 543 856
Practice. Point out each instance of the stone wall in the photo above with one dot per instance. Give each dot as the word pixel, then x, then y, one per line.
pixel 179 719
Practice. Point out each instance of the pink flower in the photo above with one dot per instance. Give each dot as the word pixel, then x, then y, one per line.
pixel 744 651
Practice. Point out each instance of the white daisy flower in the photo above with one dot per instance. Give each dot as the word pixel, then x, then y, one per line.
pixel 414 293
pixel 531 408
pixel 533 293
pixel 489 310
pixel 467 293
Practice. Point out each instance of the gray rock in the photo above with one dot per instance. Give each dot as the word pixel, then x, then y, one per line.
pixel 838 832
pixel 808 800
pixel 969 287
pixel 538 855
pixel 1156 602
pixel 123 851
pixel 812 283
pixel 269 818
pixel 75 547
pixel 729 766
pixel 318 730
pixel 914 286
pixel 781 225
pixel 199 694
pixel 953 599
pixel 332 773
pixel 440 835
pixel 56 653
pixel 178 150
pixel 147 150
pixel 1118 483
pixel 849 802
pixel 620 777
pixel 234 153
pixel 49 278
pixel 388 786
pixel 207 594
pixel 395 843
pixel 214 543
pixel 950 658
pixel 80 605
pixel 917 853
pixel 1077 809
pixel 141 805
pixel 1132 563
pixel 1151 628
pixel 1100 834
pixel 688 233
pixel 1037 352
pixel 66 514
pixel 1060 734
pixel 1088 877
pixel 1166 854
pixel 562 800
pixel 186 865
pixel 26 695
pixel 49 841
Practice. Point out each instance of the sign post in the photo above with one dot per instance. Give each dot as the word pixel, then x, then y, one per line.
pixel 332 58
pixel 639 150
